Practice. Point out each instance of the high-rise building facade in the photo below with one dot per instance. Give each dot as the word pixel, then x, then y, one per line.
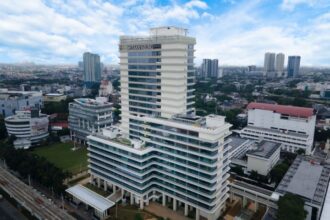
pixel 279 64
pixel 252 68
pixel 210 68
pixel 157 75
pixel 162 151
pixel 293 66
pixel 269 63
pixel 92 69
pixel 214 68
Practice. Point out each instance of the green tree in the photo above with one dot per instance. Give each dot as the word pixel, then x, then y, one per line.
pixel 3 131
pixel 291 206
pixel 254 175
pixel 238 170
pixel 277 173
pixel 40 170
pixel 322 135
pixel 300 151
pixel 57 107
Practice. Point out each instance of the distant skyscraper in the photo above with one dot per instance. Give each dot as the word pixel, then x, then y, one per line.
pixel 210 68
pixel 81 65
pixel 269 63
pixel 252 68
pixel 293 66
pixel 214 68
pixel 92 69
pixel 279 64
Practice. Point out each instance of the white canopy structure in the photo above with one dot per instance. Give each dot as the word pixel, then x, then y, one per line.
pixel 92 199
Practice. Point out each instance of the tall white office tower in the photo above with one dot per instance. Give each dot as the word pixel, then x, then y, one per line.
pixel 279 64
pixel 157 74
pixel 163 151
pixel 269 64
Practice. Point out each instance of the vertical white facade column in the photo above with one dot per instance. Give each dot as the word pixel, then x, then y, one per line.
pixel 164 199
pixel 174 204
pixel 132 199
pixel 98 182
pixel 185 209
pixel 197 214
pixel 244 201
pixel 113 188
pixel 141 203
pixel 256 205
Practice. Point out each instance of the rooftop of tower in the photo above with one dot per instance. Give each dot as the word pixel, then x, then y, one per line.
pixel 162 34
pixel 168 30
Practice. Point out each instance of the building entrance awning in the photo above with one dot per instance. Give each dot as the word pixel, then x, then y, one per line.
pixel 87 196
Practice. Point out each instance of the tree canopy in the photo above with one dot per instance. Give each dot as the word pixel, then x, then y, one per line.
pixel 38 168
pixel 291 206
pixel 278 172
pixel 3 131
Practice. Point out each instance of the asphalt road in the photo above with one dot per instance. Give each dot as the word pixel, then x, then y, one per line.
pixel 38 205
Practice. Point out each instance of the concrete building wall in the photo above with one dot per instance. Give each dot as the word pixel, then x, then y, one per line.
pixel 269 119
pixel 262 165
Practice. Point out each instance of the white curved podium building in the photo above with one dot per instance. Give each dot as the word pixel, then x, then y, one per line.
pixel 29 127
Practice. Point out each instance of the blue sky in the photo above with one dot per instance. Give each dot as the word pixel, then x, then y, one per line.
pixel 237 32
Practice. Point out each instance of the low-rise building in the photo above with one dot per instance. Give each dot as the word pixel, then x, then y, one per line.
pixel 12 101
pixel 87 116
pixel 308 178
pixel 54 97
pixel 291 126
pixel 106 88
pixel 263 157
pixel 239 146
pixel 29 127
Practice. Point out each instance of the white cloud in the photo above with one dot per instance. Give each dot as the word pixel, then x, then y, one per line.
pixel 290 5
pixel 196 3
pixel 60 30
pixel 240 37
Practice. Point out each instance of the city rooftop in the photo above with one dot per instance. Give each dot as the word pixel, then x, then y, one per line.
pixel 264 149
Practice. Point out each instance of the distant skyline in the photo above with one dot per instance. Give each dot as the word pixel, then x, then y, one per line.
pixel 237 32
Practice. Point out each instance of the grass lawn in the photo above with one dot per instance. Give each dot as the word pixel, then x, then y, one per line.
pixel 61 155
pixel 129 212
